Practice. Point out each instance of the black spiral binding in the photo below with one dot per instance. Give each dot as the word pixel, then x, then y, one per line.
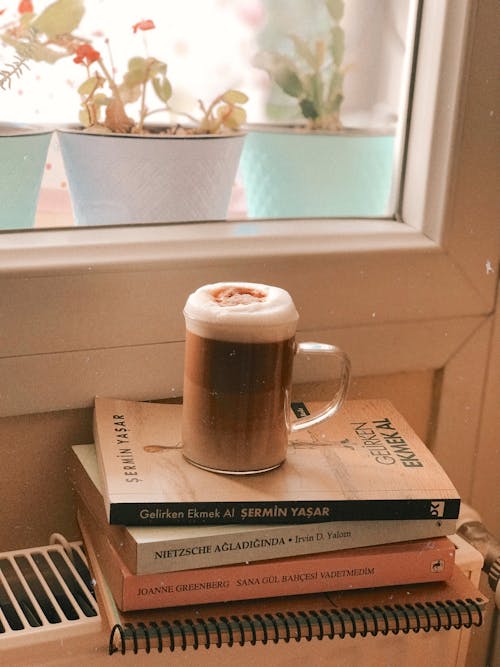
pixel 373 617
pixel 167 628
pixel 283 620
pixel 296 623
pixel 248 619
pixel 411 609
pixel 427 619
pixel 271 618
pixel 159 639
pixel 348 615
pixel 362 616
pixel 403 611
pixel 285 626
pixel 383 616
pixel 394 616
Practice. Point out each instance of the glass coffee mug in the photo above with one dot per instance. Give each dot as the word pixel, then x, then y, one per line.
pixel 240 349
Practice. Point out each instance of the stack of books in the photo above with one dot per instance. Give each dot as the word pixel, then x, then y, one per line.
pixel 359 504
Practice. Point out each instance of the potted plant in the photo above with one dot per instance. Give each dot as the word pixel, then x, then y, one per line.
pixel 23 150
pixel 123 170
pixel 316 167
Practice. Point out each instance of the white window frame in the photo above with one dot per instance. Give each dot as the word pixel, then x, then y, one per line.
pixel 99 311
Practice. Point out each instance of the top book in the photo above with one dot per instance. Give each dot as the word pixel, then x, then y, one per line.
pixel 365 463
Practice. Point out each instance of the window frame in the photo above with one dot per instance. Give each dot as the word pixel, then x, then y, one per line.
pixel 86 311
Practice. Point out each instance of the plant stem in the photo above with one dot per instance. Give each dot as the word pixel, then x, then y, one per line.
pixel 111 82
pixel 143 112
pixel 205 121
pixel 87 103
pixel 180 113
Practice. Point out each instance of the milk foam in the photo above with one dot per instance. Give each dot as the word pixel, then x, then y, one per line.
pixel 262 320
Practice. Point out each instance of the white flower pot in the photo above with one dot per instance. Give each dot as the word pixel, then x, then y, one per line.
pixel 23 151
pixel 130 179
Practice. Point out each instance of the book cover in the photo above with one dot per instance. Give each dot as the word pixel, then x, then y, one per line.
pixel 365 463
pixel 282 622
pixel 367 567
pixel 149 549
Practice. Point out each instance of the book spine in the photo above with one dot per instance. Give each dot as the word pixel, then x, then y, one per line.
pixel 288 577
pixel 280 512
pixel 235 545
pixel 332 571
pixel 276 542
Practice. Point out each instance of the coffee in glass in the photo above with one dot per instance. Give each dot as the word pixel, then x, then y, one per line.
pixel 240 348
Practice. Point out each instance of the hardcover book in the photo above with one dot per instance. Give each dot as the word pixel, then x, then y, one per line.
pixel 367 567
pixel 365 463
pixel 149 549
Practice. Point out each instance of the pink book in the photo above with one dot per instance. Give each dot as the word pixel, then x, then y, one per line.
pixel 368 567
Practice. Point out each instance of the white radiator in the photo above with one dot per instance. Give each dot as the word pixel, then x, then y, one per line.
pixel 45 593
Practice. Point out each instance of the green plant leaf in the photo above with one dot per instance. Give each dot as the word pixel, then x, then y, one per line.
pixel 60 17
pixel 33 50
pixel 88 86
pixel 84 117
pixel 303 50
pixel 141 70
pixel 289 81
pixel 128 93
pixel 41 53
pixel 26 19
pixel 137 63
pixel 134 78
pixel 232 117
pixel 281 70
pixel 234 97
pixel 316 92
pixel 335 9
pixel 336 103
pixel 162 88
pixel 101 100
pixel 156 67
pixel 320 52
pixel 308 109
pixel 337 46
pixel 137 72
pixel 335 88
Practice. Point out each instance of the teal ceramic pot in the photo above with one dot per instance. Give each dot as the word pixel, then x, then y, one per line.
pixel 23 151
pixel 132 179
pixel 295 173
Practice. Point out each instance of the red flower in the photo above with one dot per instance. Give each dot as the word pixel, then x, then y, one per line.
pixel 144 25
pixel 86 54
pixel 25 7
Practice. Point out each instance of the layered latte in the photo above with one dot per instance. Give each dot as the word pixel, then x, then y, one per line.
pixel 240 347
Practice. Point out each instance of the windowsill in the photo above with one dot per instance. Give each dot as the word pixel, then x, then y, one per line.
pixel 74 250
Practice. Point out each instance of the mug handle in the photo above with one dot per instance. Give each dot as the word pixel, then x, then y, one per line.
pixel 335 404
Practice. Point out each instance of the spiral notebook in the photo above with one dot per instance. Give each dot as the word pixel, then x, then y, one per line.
pixel 453 604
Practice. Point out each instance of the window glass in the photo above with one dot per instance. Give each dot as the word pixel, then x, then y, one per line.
pixel 326 82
